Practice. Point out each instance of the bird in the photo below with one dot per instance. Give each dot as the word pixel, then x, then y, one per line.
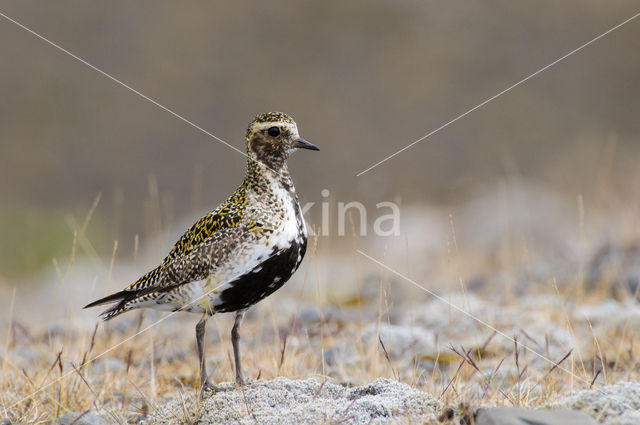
pixel 237 254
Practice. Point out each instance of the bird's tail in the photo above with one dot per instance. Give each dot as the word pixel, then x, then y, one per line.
pixel 121 299
pixel 126 299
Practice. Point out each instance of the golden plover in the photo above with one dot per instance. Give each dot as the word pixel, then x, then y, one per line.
pixel 239 253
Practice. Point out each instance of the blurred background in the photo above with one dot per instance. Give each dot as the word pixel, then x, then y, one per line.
pixel 549 169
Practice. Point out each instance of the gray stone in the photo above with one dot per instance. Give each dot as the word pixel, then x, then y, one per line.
pixel 5 421
pixel 522 416
pixel 619 264
pixel 109 364
pixel 27 357
pixel 402 341
pixel 627 418
pixel 76 418
pixel 608 404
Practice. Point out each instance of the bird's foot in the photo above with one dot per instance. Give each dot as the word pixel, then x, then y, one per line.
pixel 239 381
pixel 208 387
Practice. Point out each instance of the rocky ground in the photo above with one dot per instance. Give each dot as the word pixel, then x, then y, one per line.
pixel 383 401
pixel 320 365
pixel 538 318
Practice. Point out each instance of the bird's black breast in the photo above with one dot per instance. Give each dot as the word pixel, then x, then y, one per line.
pixel 264 279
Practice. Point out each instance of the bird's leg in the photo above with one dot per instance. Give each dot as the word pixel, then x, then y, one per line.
pixel 235 342
pixel 205 385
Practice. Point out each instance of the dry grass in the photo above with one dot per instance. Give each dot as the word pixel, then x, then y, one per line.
pixel 52 373
pixel 547 343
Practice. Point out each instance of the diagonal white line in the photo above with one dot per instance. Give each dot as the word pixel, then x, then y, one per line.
pixel 466 313
pixel 115 346
pixel 109 76
pixel 577 49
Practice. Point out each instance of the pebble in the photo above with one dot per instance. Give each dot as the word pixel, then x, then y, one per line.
pixel 616 404
pixel 523 416
pixel 76 418
pixel 401 341
pixel 110 364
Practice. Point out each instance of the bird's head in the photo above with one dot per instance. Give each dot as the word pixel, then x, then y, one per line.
pixel 272 137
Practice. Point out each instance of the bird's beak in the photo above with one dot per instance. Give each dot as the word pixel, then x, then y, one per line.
pixel 303 144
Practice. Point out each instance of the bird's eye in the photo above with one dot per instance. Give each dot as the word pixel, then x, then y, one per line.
pixel 274 131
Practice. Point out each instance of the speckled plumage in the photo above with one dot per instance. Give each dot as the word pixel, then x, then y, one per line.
pixel 242 251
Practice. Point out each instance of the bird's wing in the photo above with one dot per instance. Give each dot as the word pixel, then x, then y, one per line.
pixel 223 243
pixel 213 235
pixel 224 255
pixel 185 262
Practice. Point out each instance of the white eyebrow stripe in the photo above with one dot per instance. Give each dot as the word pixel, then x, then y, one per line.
pixel 283 124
